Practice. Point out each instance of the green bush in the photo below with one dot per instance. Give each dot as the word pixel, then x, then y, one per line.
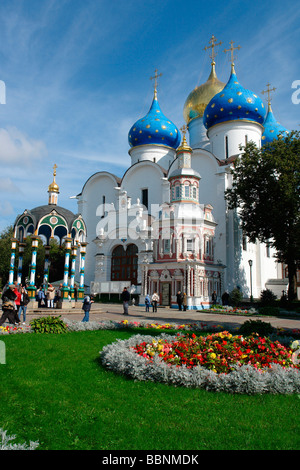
pixel 256 326
pixel 267 298
pixel 235 297
pixel 49 324
pixel 273 311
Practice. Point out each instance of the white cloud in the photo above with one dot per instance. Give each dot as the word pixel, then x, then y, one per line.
pixel 6 208
pixel 8 186
pixel 17 148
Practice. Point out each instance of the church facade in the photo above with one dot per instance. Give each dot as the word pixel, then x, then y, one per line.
pixel 164 226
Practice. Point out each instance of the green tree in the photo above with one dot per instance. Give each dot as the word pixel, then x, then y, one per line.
pixel 266 193
pixel 5 251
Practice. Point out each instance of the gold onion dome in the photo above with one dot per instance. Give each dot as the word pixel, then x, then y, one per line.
pixel 53 187
pixel 199 98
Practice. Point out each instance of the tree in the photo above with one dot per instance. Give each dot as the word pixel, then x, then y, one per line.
pixel 5 252
pixel 266 193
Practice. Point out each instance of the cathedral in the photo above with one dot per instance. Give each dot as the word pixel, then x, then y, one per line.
pixel 164 226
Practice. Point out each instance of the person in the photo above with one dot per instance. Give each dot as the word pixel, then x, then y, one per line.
pixel 50 296
pixel 9 306
pixel 184 301
pixel 58 297
pixel 154 299
pixel 214 298
pixel 41 297
pixel 17 291
pixel 225 298
pixel 125 297
pixel 23 304
pixel 86 307
pixel 147 302
pixel 75 292
pixel 179 300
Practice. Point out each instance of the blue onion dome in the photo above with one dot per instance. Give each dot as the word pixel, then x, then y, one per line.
pixel 273 129
pixel 154 128
pixel 234 103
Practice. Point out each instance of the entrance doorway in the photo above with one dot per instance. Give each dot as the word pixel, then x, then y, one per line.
pixel 166 294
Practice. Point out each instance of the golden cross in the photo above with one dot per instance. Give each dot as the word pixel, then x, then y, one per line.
pixel 54 169
pixel 183 129
pixel 268 92
pixel 231 49
pixel 212 41
pixel 155 79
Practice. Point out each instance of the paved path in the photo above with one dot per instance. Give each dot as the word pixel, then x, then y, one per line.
pixel 163 315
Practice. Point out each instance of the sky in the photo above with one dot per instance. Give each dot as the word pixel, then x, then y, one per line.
pixel 77 77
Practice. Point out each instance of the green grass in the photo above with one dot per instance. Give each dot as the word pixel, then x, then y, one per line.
pixel 53 389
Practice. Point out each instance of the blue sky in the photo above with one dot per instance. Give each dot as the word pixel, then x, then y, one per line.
pixel 77 77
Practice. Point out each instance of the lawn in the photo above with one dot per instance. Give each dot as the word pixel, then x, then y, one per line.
pixel 54 390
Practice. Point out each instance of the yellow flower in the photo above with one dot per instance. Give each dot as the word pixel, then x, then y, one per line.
pixel 213 356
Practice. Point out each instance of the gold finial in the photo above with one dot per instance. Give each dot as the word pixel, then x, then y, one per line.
pixel 231 50
pixel 212 46
pixel 183 145
pixel 53 187
pixel 268 92
pixel 156 75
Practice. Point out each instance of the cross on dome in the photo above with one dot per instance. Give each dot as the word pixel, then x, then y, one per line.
pixel 268 92
pixel 231 50
pixel 156 75
pixel 212 46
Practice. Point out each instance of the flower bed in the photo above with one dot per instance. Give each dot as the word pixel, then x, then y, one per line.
pixel 252 365
pixel 228 310
pixel 219 352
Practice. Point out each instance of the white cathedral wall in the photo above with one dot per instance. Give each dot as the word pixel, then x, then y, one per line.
pixel 98 186
pixel 211 191
pixel 145 175
pixel 160 154
pixel 198 134
pixel 237 133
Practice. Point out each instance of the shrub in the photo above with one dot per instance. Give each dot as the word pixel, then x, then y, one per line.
pixel 269 311
pixel 267 297
pixel 235 297
pixel 256 326
pixel 48 325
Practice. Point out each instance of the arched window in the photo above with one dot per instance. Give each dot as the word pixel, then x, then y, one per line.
pixel 124 264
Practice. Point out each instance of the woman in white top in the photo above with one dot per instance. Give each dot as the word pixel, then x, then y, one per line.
pixel 154 299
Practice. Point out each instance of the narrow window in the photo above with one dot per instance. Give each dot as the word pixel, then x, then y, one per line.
pixel 145 197
pixel 167 245
pixel 244 241
pixel 226 147
pixel 189 244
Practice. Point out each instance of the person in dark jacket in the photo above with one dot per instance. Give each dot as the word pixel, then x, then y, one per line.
pixel 24 301
pixel 179 300
pixel 125 297
pixel 9 307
